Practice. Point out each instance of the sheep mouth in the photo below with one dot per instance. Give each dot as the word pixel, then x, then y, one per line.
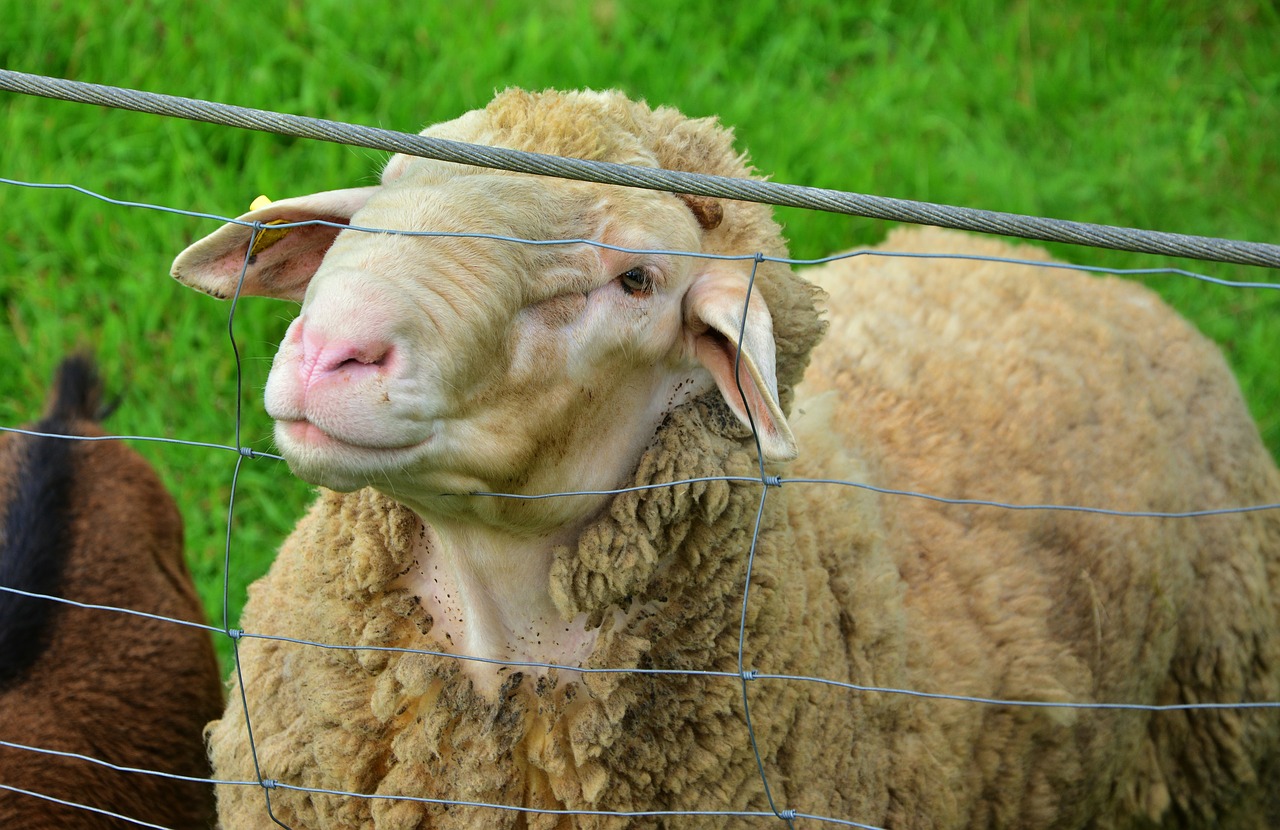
pixel 304 434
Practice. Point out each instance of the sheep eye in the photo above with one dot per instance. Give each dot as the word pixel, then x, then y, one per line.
pixel 636 281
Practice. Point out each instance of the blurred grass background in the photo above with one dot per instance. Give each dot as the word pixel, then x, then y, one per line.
pixel 1148 114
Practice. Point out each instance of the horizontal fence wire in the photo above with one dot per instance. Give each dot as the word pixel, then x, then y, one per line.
pixel 85 807
pixel 1094 269
pixel 744 675
pixel 752 190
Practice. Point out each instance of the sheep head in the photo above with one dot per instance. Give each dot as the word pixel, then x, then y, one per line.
pixel 432 365
pixel 437 364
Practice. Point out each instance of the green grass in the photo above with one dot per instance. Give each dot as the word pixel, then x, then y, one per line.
pixel 1158 115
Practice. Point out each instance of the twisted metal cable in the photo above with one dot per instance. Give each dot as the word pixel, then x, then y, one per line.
pixel 750 190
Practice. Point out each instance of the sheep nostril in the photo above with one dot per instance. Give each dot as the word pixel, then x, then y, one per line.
pixel 354 358
pixel 323 359
pixel 359 360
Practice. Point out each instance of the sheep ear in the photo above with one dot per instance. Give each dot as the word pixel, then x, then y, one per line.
pixel 713 314
pixel 282 262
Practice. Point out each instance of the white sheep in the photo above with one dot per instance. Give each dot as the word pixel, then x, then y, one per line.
pixel 425 370
pixel 91 522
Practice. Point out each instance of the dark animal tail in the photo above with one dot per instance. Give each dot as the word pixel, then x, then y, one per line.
pixel 77 392
pixel 36 525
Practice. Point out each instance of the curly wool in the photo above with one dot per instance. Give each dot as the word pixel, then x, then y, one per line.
pixel 394 723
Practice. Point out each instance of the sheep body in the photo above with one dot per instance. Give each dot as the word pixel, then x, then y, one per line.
pixel 93 523
pixel 964 380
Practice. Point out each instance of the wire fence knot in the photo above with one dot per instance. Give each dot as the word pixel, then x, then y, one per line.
pixel 787 815
pixel 268 783
pixel 772 481
pixel 235 633
pixel 750 674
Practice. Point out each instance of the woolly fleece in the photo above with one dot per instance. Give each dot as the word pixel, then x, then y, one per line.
pixel 951 377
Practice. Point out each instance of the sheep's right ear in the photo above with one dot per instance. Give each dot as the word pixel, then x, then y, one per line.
pixel 283 261
pixel 738 352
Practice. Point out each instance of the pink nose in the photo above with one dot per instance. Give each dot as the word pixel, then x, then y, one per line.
pixel 325 359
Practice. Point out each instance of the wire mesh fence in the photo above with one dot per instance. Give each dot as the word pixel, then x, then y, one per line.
pixel 745 674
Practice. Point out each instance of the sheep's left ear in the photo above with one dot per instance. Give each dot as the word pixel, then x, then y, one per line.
pixel 276 262
pixel 713 317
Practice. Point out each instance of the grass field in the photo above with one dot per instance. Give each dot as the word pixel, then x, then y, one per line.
pixel 1160 116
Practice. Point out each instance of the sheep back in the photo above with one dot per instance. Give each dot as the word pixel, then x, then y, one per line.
pixel 980 380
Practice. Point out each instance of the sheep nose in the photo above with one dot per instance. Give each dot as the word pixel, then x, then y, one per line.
pixel 326 359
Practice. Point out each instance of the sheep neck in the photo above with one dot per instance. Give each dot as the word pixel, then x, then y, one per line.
pixel 488 594
pixel 483 566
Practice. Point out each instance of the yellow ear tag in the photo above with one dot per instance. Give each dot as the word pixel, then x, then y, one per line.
pixel 265 238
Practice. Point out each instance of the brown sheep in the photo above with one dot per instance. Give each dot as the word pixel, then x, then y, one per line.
pixel 91 522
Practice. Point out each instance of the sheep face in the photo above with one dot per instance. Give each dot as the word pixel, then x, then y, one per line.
pixel 432 366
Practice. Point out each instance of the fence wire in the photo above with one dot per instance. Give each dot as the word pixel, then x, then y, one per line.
pixel 751 190
pixel 744 674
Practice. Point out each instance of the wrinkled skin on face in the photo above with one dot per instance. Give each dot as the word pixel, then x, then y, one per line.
pixel 435 367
